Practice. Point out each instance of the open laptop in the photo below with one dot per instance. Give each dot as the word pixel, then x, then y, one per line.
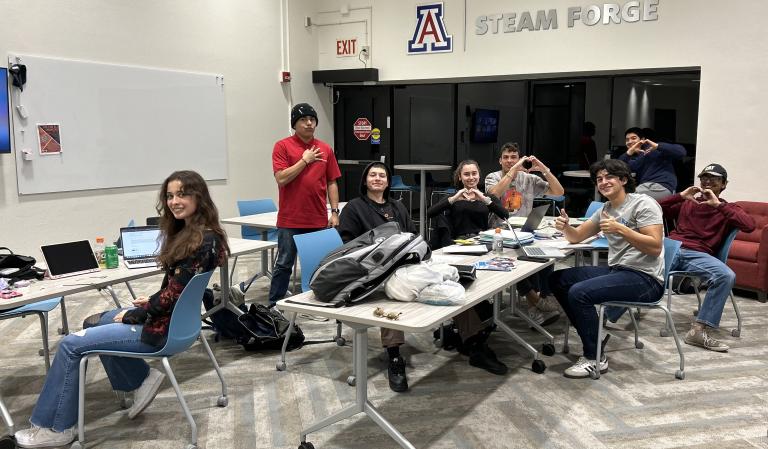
pixel 545 252
pixel 69 259
pixel 141 244
pixel 534 218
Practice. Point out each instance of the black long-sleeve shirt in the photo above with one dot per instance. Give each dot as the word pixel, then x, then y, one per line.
pixel 468 217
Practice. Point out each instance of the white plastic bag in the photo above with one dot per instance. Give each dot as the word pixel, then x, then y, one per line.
pixel 429 283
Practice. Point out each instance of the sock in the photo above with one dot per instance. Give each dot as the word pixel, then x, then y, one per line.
pixel 393 352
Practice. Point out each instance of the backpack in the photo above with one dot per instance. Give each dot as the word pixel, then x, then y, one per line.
pixel 259 328
pixel 352 272
pixel 25 266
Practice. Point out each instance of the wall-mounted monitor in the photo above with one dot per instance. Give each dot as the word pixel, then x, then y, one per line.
pixel 485 126
pixel 5 118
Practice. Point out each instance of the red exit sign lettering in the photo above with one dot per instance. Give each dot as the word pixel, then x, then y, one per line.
pixel 346 47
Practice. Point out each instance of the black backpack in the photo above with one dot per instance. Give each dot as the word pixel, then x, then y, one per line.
pixel 259 328
pixel 24 265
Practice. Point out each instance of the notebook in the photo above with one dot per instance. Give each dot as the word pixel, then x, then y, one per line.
pixel 141 244
pixel 69 259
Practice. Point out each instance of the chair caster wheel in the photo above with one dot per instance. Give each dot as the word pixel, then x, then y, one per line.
pixel 280 366
pixel 40 352
pixel 680 374
pixel 192 446
pixel 126 403
pixel 7 442
pixel 341 341
pixel 351 381
pixel 594 374
pixel 223 401
pixel 639 345
pixel 735 333
pixel 306 445
pixel 695 313
pixel 548 349
pixel 566 349
pixel 216 337
pixel 538 366
pixel 664 333
pixel 76 445
pixel 61 331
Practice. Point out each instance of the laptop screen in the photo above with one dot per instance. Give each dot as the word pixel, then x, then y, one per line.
pixel 72 257
pixel 140 242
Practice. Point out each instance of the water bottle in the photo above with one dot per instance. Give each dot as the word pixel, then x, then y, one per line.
pixel 98 251
pixel 498 243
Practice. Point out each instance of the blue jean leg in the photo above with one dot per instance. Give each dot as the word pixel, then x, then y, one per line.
pixel 286 257
pixel 579 289
pixel 56 407
pixel 718 277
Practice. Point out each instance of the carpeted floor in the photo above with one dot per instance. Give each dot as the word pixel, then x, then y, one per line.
pixel 723 401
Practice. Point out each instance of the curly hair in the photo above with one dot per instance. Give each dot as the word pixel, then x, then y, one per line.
pixel 615 167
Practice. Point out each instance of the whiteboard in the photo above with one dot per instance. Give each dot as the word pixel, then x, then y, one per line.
pixel 119 125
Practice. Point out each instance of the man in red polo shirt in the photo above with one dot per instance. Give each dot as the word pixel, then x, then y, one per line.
pixel 306 171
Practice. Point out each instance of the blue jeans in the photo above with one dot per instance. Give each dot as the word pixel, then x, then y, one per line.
pixel 713 273
pixel 56 407
pixel 579 289
pixel 286 256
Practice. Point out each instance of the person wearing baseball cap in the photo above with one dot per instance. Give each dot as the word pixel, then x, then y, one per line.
pixel 703 221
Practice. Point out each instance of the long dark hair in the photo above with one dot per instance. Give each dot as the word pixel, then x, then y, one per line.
pixel 182 240
pixel 457 173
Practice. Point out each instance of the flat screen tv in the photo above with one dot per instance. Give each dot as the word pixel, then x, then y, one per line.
pixel 485 126
pixel 5 119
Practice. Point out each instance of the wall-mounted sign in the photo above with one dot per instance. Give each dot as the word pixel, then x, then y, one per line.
pixel 542 20
pixel 362 128
pixel 346 48
pixel 375 136
pixel 430 35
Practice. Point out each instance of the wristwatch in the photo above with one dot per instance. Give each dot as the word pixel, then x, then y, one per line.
pixel 335 211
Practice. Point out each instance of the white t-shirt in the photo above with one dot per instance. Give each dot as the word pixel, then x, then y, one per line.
pixel 518 199
pixel 637 211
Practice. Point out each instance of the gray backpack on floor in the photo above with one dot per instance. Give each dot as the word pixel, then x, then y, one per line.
pixel 354 271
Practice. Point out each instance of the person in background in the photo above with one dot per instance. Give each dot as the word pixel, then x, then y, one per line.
pixel 633 225
pixel 468 211
pixel 193 243
pixel 306 171
pixel 587 146
pixel 517 187
pixel 371 209
pixel 652 163
pixel 703 221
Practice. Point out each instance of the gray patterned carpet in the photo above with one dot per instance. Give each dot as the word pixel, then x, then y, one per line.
pixel 723 401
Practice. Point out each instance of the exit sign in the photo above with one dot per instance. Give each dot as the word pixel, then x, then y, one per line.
pixel 346 48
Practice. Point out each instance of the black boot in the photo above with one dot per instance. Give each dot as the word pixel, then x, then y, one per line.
pixel 481 356
pixel 398 382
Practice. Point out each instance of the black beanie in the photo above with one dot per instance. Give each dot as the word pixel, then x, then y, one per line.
pixel 302 110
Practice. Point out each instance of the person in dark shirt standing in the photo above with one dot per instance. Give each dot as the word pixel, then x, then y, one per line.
pixel 652 163
pixel 703 221
pixel 371 209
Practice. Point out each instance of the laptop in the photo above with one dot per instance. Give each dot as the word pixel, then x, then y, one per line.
pixel 141 244
pixel 545 252
pixel 69 259
pixel 534 218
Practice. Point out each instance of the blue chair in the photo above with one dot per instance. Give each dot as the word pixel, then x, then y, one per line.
pixel 671 248
pixel 722 256
pixel 41 309
pixel 592 208
pixel 553 200
pixel 183 330
pixel 599 244
pixel 311 248
pixel 253 207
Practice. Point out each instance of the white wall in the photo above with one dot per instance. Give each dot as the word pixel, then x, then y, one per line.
pixel 727 42
pixel 237 38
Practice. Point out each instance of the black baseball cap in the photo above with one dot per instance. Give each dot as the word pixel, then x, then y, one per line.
pixel 714 170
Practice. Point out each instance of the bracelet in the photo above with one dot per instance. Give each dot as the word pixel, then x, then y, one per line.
pixel 488 201
pixel 305 162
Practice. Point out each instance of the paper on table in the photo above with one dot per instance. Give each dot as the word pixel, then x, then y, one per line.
pixel 445 258
pixel 465 249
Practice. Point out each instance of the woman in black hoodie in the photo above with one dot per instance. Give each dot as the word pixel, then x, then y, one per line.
pixel 371 209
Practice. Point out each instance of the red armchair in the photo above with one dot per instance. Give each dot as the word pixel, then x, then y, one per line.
pixel 748 257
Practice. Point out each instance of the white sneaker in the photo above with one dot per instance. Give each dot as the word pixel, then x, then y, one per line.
pixel 583 367
pixel 41 437
pixel 144 395
pixel 237 294
pixel 548 304
pixel 542 318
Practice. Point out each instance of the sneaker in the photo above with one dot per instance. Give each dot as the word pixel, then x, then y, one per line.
pixel 583 367
pixel 398 382
pixel 700 338
pixel 542 318
pixel 548 304
pixel 42 437
pixel 237 293
pixel 144 395
pixel 483 357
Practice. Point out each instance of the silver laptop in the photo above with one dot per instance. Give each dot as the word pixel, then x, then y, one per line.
pixel 545 252
pixel 534 218
pixel 141 245
pixel 69 259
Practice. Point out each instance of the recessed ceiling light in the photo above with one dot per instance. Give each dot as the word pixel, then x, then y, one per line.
pixel 656 84
pixel 645 81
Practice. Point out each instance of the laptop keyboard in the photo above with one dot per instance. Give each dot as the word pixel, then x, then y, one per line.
pixel 141 261
pixel 533 251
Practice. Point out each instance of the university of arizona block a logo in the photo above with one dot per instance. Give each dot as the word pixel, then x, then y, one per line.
pixel 430 35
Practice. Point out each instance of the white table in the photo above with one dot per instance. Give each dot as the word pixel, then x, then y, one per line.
pixel 581 174
pixel 416 317
pixel 423 168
